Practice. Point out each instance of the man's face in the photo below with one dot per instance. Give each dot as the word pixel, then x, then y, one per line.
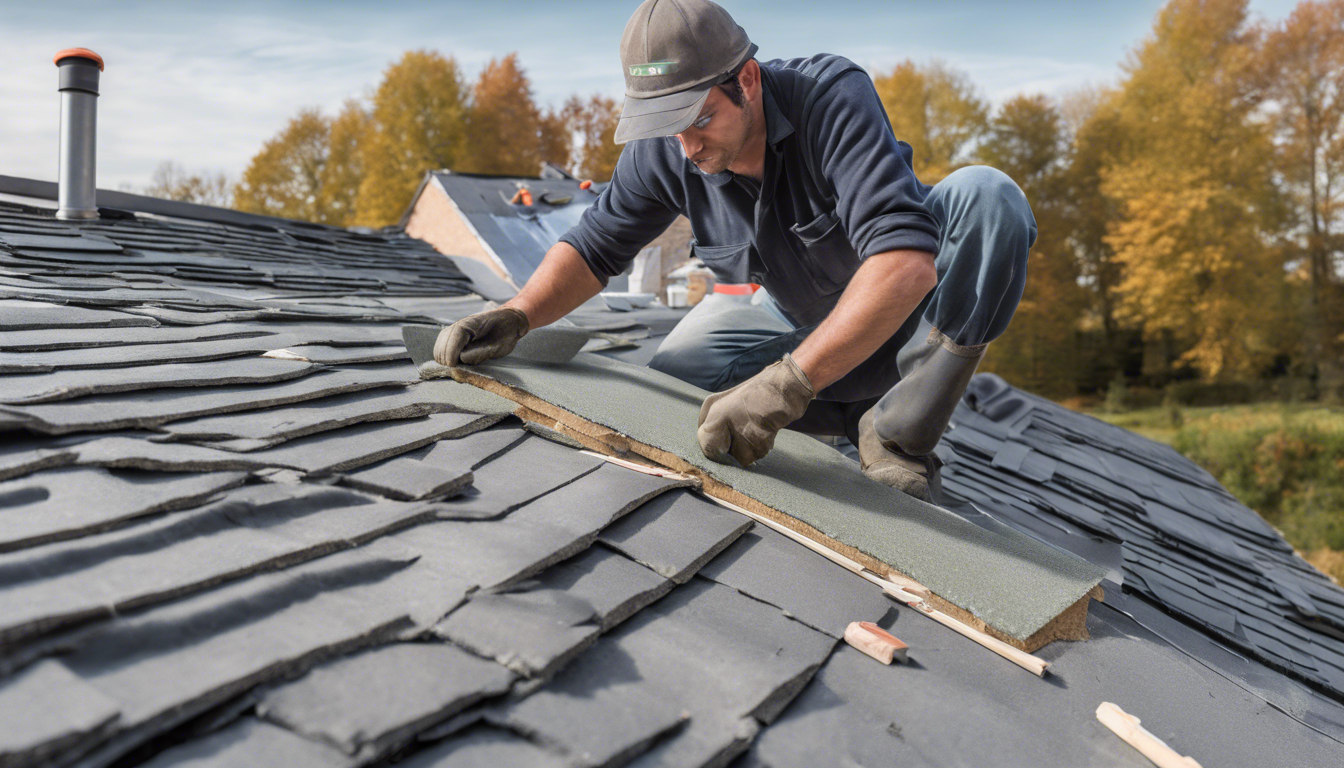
pixel 718 134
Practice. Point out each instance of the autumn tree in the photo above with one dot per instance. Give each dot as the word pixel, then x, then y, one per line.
pixel 593 122
pixel 1304 67
pixel 936 111
pixel 1026 140
pixel 285 177
pixel 510 134
pixel 1093 127
pixel 170 181
pixel 344 170
pixel 417 124
pixel 1191 175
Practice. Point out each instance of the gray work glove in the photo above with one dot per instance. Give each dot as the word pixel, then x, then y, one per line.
pixel 742 422
pixel 480 337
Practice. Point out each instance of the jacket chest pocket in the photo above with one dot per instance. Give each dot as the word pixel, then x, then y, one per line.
pixel 826 252
pixel 729 263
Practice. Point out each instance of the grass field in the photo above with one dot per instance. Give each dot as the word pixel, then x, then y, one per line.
pixel 1285 461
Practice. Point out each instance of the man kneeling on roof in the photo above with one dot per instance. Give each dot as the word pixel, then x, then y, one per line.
pixel 880 292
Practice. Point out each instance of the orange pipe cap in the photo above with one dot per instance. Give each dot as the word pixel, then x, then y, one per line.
pixel 82 53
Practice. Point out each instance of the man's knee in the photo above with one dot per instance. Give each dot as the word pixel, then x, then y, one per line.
pixel 986 193
pixel 689 363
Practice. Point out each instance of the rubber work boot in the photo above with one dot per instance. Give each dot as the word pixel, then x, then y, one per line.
pixel 898 436
pixel 916 476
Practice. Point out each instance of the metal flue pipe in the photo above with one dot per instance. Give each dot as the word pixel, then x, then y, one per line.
pixel 80 69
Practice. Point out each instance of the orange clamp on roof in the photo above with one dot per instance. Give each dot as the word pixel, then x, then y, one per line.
pixel 82 53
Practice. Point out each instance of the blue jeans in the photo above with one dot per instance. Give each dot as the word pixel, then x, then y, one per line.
pixel 986 227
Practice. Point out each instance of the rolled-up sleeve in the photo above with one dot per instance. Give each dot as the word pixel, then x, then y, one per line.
pixel 624 219
pixel 879 200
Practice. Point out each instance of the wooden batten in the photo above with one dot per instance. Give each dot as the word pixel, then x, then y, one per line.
pixel 1127 727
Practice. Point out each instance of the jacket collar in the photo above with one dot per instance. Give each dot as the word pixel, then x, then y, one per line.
pixel 777 126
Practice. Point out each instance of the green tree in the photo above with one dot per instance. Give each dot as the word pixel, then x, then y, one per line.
pixel 936 111
pixel 1304 67
pixel 285 177
pixel 593 122
pixel 171 181
pixel 1192 176
pixel 418 124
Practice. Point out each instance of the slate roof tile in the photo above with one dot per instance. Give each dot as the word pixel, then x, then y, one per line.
pixel 109 412
pixel 48 710
pixel 487 747
pixel 363 444
pixel 706 649
pixel 770 567
pixel 75 501
pixel 408 479
pixel 370 701
pixel 251 430
pixel 68 384
pixel 19 315
pixel 510 481
pixel 251 742
pixel 676 534
pixel 532 631
pixel 252 529
pixel 537 626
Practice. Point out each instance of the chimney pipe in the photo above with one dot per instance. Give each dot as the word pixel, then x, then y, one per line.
pixel 80 68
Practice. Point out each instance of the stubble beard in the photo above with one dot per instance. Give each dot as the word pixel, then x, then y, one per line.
pixel 730 156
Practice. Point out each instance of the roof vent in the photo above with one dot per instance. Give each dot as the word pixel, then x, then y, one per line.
pixel 80 68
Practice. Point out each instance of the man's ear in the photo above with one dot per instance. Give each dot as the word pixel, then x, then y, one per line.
pixel 750 80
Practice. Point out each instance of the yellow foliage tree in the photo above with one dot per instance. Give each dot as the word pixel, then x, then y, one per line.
pixel 417 125
pixel 285 177
pixel 344 171
pixel 593 121
pixel 509 134
pixel 936 111
pixel 1192 178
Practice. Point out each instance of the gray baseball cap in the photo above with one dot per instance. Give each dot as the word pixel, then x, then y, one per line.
pixel 673 53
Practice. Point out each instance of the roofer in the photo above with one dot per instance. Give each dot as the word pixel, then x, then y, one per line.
pixel 880 292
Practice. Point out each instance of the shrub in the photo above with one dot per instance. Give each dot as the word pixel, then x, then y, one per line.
pixel 1204 393
pixel 1290 469
pixel 1117 395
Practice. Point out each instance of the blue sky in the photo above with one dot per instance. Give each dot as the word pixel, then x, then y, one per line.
pixel 205 83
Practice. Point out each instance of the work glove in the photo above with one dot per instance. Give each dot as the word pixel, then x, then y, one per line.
pixel 480 337
pixel 742 422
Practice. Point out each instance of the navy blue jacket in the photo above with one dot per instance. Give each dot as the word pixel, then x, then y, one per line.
pixel 838 188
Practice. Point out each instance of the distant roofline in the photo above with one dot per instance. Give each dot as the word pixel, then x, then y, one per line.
pixel 558 174
pixel 445 172
pixel 420 190
pixel 126 201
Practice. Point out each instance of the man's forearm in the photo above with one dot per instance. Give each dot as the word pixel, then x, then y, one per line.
pixel 561 283
pixel 879 298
